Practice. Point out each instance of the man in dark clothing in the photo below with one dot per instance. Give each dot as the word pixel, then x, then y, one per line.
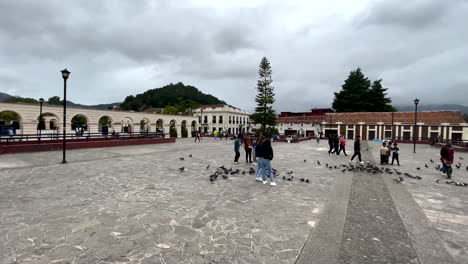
pixel 357 149
pixel 330 143
pixel 236 150
pixel 336 144
pixel 248 150
pixel 446 157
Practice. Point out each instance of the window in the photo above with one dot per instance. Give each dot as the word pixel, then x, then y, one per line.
pixel 434 135
pixel 205 119
pixel 237 120
pixel 214 119
pixel 214 129
pixel 388 134
pixel 406 135
pixel 220 119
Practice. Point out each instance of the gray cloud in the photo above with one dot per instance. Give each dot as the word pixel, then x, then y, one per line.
pixel 115 49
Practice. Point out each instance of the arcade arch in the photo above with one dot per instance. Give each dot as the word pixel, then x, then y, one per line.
pixel 105 124
pixel 172 128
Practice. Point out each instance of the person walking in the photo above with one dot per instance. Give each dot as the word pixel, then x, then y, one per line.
pixel 236 150
pixel 395 153
pixel 318 138
pixel 330 143
pixel 198 137
pixel 446 157
pixel 342 146
pixel 357 149
pixel 248 149
pixel 259 158
pixel 336 145
pixel 267 157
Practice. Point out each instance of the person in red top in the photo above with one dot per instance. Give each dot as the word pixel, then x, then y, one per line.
pixel 446 156
pixel 342 146
pixel 248 149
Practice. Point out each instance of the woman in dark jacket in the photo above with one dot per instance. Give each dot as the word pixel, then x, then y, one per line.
pixel 267 156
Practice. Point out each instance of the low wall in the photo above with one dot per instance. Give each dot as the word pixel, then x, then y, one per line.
pixel 17 147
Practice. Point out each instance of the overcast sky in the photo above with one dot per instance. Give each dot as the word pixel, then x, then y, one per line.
pixel 117 48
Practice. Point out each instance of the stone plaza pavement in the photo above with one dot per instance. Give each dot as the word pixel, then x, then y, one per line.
pixel 133 205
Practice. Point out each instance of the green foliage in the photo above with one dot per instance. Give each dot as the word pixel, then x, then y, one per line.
pixel 184 132
pixel 105 121
pixel 79 121
pixel 9 116
pixel 170 110
pixel 55 100
pixel 173 132
pixel 357 95
pixel 159 123
pixel 18 99
pixel 264 113
pixel 266 132
pixel 173 94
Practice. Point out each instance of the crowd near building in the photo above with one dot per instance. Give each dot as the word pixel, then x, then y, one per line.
pixel 428 125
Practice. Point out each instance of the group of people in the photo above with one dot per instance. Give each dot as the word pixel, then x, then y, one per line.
pixel 387 150
pixel 337 144
pixel 262 153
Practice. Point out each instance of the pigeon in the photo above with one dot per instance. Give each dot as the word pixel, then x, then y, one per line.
pixel 301 179
pixel 190 155
pixel 289 179
pixel 400 179
pixel 418 177
pixel 307 180
pixel 466 167
pixel 425 165
pixel 181 158
pixel 289 172
pixel 318 162
pixel 213 177
pixel 437 180
pixel 251 171
pixel 460 158
pixel 418 168
pixel 243 172
pixel 343 170
pixel 326 165
pixel 225 177
pixel 207 167
pixel 292 177
pixel 182 168
pixel 284 177
pixel 458 166
pixel 305 161
pixel 431 161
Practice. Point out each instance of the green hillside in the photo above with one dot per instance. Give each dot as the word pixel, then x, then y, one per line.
pixel 172 94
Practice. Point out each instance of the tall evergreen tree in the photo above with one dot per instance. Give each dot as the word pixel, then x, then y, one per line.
pixel 377 100
pixel 264 113
pixel 352 97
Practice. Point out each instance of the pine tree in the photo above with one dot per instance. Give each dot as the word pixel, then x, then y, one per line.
pixel 264 113
pixel 352 97
pixel 377 100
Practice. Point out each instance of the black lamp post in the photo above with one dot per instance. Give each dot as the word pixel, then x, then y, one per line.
pixel 41 101
pixel 65 74
pixel 416 102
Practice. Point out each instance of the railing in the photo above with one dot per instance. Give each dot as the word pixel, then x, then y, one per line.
pixel 74 136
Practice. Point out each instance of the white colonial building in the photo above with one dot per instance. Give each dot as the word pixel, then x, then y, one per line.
pixel 224 118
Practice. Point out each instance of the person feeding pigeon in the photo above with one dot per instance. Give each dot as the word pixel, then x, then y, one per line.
pixel 446 157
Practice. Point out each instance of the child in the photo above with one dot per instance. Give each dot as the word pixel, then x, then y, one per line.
pixel 383 153
pixel 395 153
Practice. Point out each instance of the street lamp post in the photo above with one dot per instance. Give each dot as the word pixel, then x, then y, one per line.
pixel 416 102
pixel 65 74
pixel 41 101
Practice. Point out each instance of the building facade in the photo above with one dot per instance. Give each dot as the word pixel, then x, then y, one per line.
pixel 225 118
pixel 119 121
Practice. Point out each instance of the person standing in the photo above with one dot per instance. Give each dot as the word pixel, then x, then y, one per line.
pixel 318 138
pixel 267 157
pixel 248 149
pixel 357 149
pixel 254 157
pixel 236 150
pixel 395 153
pixel 342 146
pixel 446 156
pixel 383 153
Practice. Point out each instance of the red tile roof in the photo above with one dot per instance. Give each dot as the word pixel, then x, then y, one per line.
pixel 428 117
pixel 299 119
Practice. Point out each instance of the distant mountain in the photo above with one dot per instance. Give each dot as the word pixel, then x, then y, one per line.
pixel 462 108
pixel 169 95
pixel 4 96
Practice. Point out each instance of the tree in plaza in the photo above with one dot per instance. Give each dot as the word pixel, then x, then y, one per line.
pixel 351 98
pixel 377 100
pixel 8 116
pixel 264 113
pixel 55 100
pixel 357 95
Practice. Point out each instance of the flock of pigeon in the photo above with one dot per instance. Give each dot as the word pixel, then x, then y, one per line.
pixel 351 167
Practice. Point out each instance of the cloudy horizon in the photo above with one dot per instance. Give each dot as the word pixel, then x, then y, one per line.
pixel 118 48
